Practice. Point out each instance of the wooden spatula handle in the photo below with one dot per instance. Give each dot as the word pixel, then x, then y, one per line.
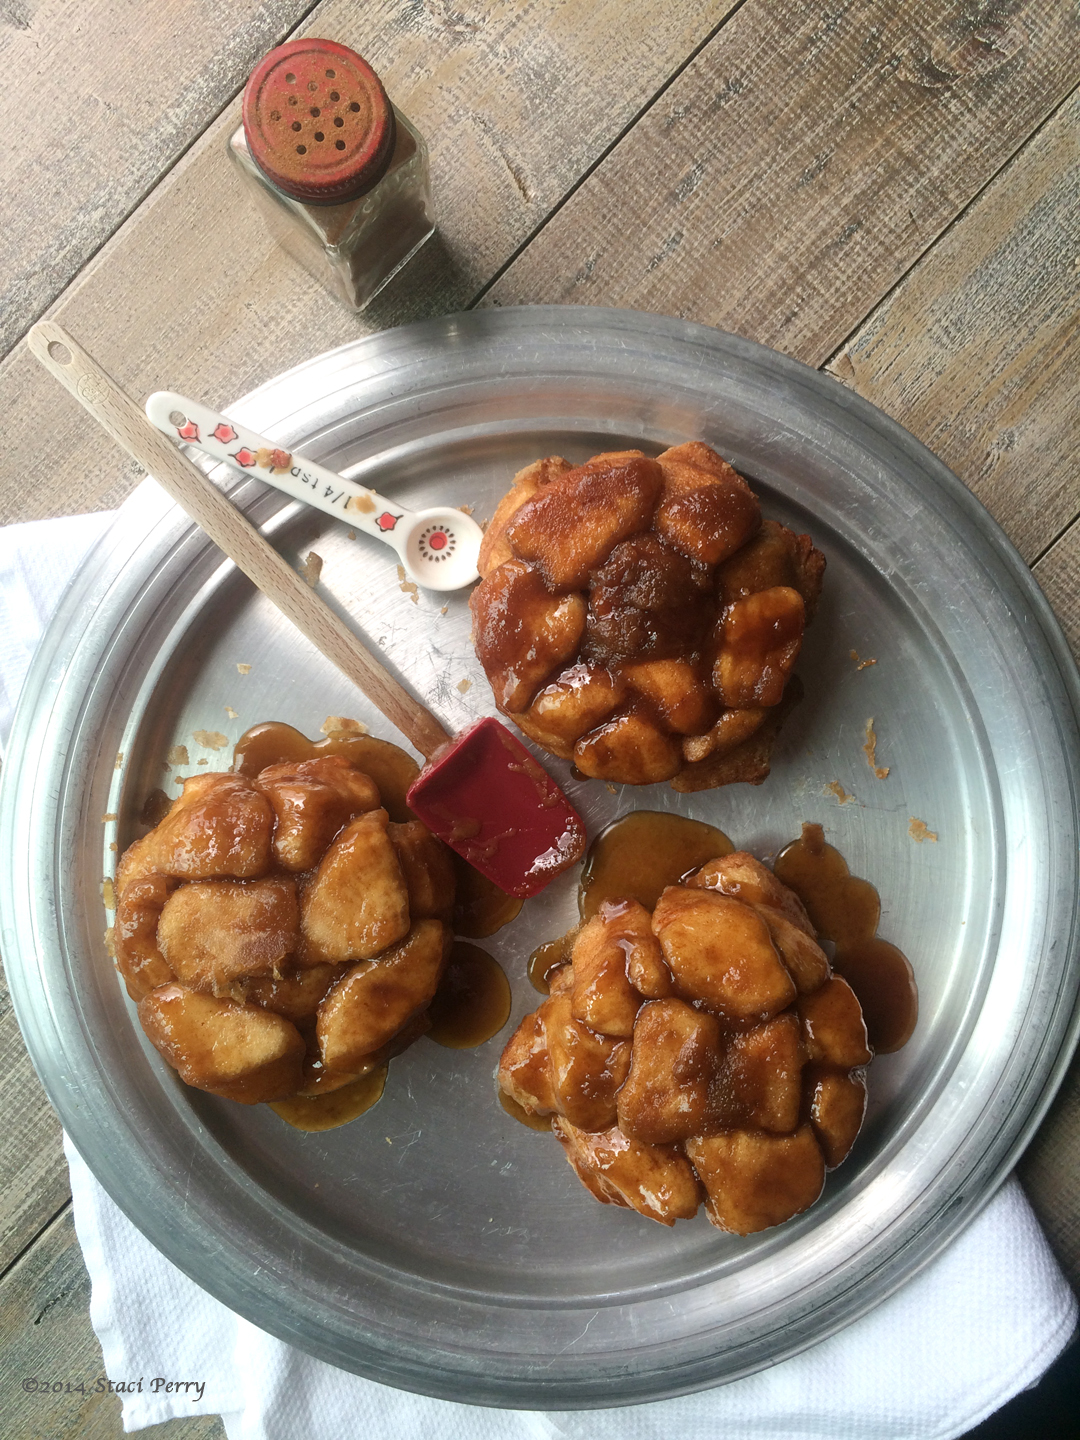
pixel 125 421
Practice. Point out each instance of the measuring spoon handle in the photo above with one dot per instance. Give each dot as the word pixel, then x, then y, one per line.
pixel 119 415
pixel 223 439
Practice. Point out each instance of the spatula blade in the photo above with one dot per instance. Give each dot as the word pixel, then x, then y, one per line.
pixel 490 801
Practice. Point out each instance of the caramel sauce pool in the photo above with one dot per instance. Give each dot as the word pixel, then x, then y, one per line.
pixel 480 907
pixel 274 743
pixel 336 1107
pixel 472 1002
pixel 846 910
pixel 546 959
pixel 640 855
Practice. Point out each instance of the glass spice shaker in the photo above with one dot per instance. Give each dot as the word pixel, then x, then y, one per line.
pixel 340 175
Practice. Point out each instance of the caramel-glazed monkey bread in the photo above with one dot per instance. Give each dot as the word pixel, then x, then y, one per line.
pixel 638 616
pixel 280 935
pixel 704 1052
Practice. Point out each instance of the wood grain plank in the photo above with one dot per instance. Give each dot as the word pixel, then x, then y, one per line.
pixel 517 98
pixel 803 162
pixel 106 102
pixel 45 1336
pixel 976 350
pixel 33 1171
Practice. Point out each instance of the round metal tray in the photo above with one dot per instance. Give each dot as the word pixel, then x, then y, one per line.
pixel 434 1244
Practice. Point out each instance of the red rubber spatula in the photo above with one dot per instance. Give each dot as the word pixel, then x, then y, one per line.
pixel 483 793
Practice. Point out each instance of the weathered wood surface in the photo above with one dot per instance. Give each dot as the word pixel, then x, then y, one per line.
pixel 33 1172
pixel 105 99
pixel 45 1337
pixel 517 100
pixel 802 163
pixel 976 350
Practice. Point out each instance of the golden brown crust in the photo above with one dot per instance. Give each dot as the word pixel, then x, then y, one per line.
pixel 241 917
pixel 675 663
pixel 758 1083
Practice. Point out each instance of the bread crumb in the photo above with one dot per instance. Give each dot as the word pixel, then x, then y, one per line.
pixel 871 751
pixel 362 504
pixel 401 572
pixel 342 725
pixel 177 756
pixel 465 509
pixel 203 761
pixel 231 713
pixel 113 845
pixel 350 534
pixel 861 664
pixel 464 685
pixel 108 893
pixel 444 609
pixel 110 942
pixel 919 830
pixel 119 760
pixel 835 788
pixel 212 739
pixel 311 568
pixel 611 789
pixel 106 818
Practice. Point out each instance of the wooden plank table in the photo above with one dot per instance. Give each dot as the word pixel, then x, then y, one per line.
pixel 889 192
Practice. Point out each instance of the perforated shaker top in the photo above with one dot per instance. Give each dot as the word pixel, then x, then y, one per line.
pixel 318 122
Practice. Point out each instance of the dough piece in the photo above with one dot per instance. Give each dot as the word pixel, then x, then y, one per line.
pixel 376 999
pixel 707 510
pixel 603 997
pixel 523 633
pixel 586 1068
pixel 833 1027
pixel 357 905
pixel 237 1051
pixel 753 1180
pixel 675 1060
pixel 574 523
pixel 720 955
pixel 313 800
pixel 654 1180
pixel 215 932
pixel 428 870
pixel 837 1107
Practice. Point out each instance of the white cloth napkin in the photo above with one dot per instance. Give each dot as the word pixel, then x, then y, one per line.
pixel 975 1327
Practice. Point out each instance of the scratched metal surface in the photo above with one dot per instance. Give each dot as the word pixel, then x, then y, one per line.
pixel 434 1243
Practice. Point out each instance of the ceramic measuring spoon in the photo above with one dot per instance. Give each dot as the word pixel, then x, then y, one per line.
pixel 437 548
pixel 481 791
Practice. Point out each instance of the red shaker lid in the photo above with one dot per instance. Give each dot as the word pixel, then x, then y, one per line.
pixel 317 121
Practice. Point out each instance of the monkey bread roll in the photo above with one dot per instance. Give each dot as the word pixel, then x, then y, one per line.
pixel 638 617
pixel 703 1053
pixel 280 935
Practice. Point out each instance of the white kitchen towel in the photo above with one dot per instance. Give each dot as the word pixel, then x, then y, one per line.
pixel 979 1324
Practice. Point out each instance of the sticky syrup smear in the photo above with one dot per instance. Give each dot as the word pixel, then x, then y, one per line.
pixel 643 853
pixel 335 1107
pixel 870 749
pixel 473 999
pixel 846 910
